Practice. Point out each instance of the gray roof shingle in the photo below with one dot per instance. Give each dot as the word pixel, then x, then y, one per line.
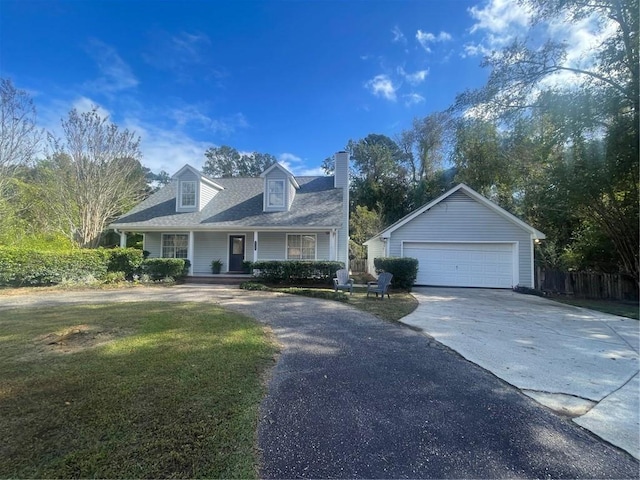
pixel 316 204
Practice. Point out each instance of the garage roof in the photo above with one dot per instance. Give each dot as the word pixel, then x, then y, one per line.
pixel 536 234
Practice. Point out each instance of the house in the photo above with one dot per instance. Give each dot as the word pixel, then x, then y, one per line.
pixel 276 216
pixel 461 239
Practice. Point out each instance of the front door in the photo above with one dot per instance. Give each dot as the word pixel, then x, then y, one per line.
pixel 236 253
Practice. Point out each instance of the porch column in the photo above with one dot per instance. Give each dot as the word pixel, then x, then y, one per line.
pixel 190 251
pixel 255 246
pixel 123 239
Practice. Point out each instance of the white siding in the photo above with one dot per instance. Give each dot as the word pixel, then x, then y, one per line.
pixel 207 192
pixel 322 245
pixel 375 249
pixel 271 245
pixel 459 218
pixel 343 233
pixel 209 246
pixel 153 244
pixel 291 193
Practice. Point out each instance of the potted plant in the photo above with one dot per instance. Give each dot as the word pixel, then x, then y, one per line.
pixel 216 266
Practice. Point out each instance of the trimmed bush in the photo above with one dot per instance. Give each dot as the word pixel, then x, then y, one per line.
pixel 125 260
pixel 26 267
pixel 295 272
pixel 160 268
pixel 404 270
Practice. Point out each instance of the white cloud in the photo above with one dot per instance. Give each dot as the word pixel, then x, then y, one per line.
pixel 295 165
pixel 310 172
pixel 413 99
pixel 187 55
pixel 116 75
pixel 167 150
pixel 418 77
pixel 398 36
pixel 382 86
pixel 84 104
pixel 289 158
pixel 427 38
pixel 193 115
pixel 500 17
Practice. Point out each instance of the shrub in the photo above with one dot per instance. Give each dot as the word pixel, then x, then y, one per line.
pixel 404 270
pixel 114 277
pixel 125 260
pixel 294 271
pixel 254 286
pixel 22 266
pixel 187 266
pixel 160 268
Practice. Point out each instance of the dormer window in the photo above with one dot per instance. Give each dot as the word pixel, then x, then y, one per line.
pixel 275 193
pixel 187 194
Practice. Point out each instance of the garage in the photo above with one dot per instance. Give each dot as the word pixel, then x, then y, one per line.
pixel 461 239
pixel 488 265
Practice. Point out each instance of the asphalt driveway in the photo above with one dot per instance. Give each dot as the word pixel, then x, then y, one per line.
pixel 577 361
pixel 352 396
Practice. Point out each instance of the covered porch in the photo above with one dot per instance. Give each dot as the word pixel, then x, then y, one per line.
pixel 234 248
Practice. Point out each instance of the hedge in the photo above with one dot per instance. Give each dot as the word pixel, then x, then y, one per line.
pixel 21 266
pixel 160 268
pixel 28 267
pixel 404 270
pixel 296 271
pixel 125 260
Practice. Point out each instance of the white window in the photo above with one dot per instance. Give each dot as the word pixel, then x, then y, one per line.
pixel 175 245
pixel 301 247
pixel 275 193
pixel 188 194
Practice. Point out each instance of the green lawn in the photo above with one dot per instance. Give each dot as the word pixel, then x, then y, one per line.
pixel 130 391
pixel 399 305
pixel 624 309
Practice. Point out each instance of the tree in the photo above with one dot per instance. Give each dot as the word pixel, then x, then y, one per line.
pixel 225 161
pixel 20 136
pixel 588 156
pixel 482 161
pixel 363 224
pixel 379 176
pixel 424 147
pixel 94 175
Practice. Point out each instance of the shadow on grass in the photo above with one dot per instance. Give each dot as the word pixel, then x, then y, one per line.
pixel 176 394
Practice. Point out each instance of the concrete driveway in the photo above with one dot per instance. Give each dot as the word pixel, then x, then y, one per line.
pixel 576 361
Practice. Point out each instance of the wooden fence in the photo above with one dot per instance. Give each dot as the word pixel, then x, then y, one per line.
pixel 600 286
pixel 358 265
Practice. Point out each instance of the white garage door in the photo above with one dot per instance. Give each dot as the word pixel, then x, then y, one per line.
pixel 463 264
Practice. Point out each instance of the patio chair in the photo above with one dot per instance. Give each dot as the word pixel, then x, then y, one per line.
pixel 342 281
pixel 381 286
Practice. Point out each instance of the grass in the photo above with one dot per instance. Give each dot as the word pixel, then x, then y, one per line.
pixel 142 390
pixel 399 305
pixel 623 309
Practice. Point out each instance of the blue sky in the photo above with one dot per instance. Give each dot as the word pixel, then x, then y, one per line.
pixel 296 79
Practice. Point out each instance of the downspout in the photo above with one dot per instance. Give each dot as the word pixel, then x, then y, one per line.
pixel 123 237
